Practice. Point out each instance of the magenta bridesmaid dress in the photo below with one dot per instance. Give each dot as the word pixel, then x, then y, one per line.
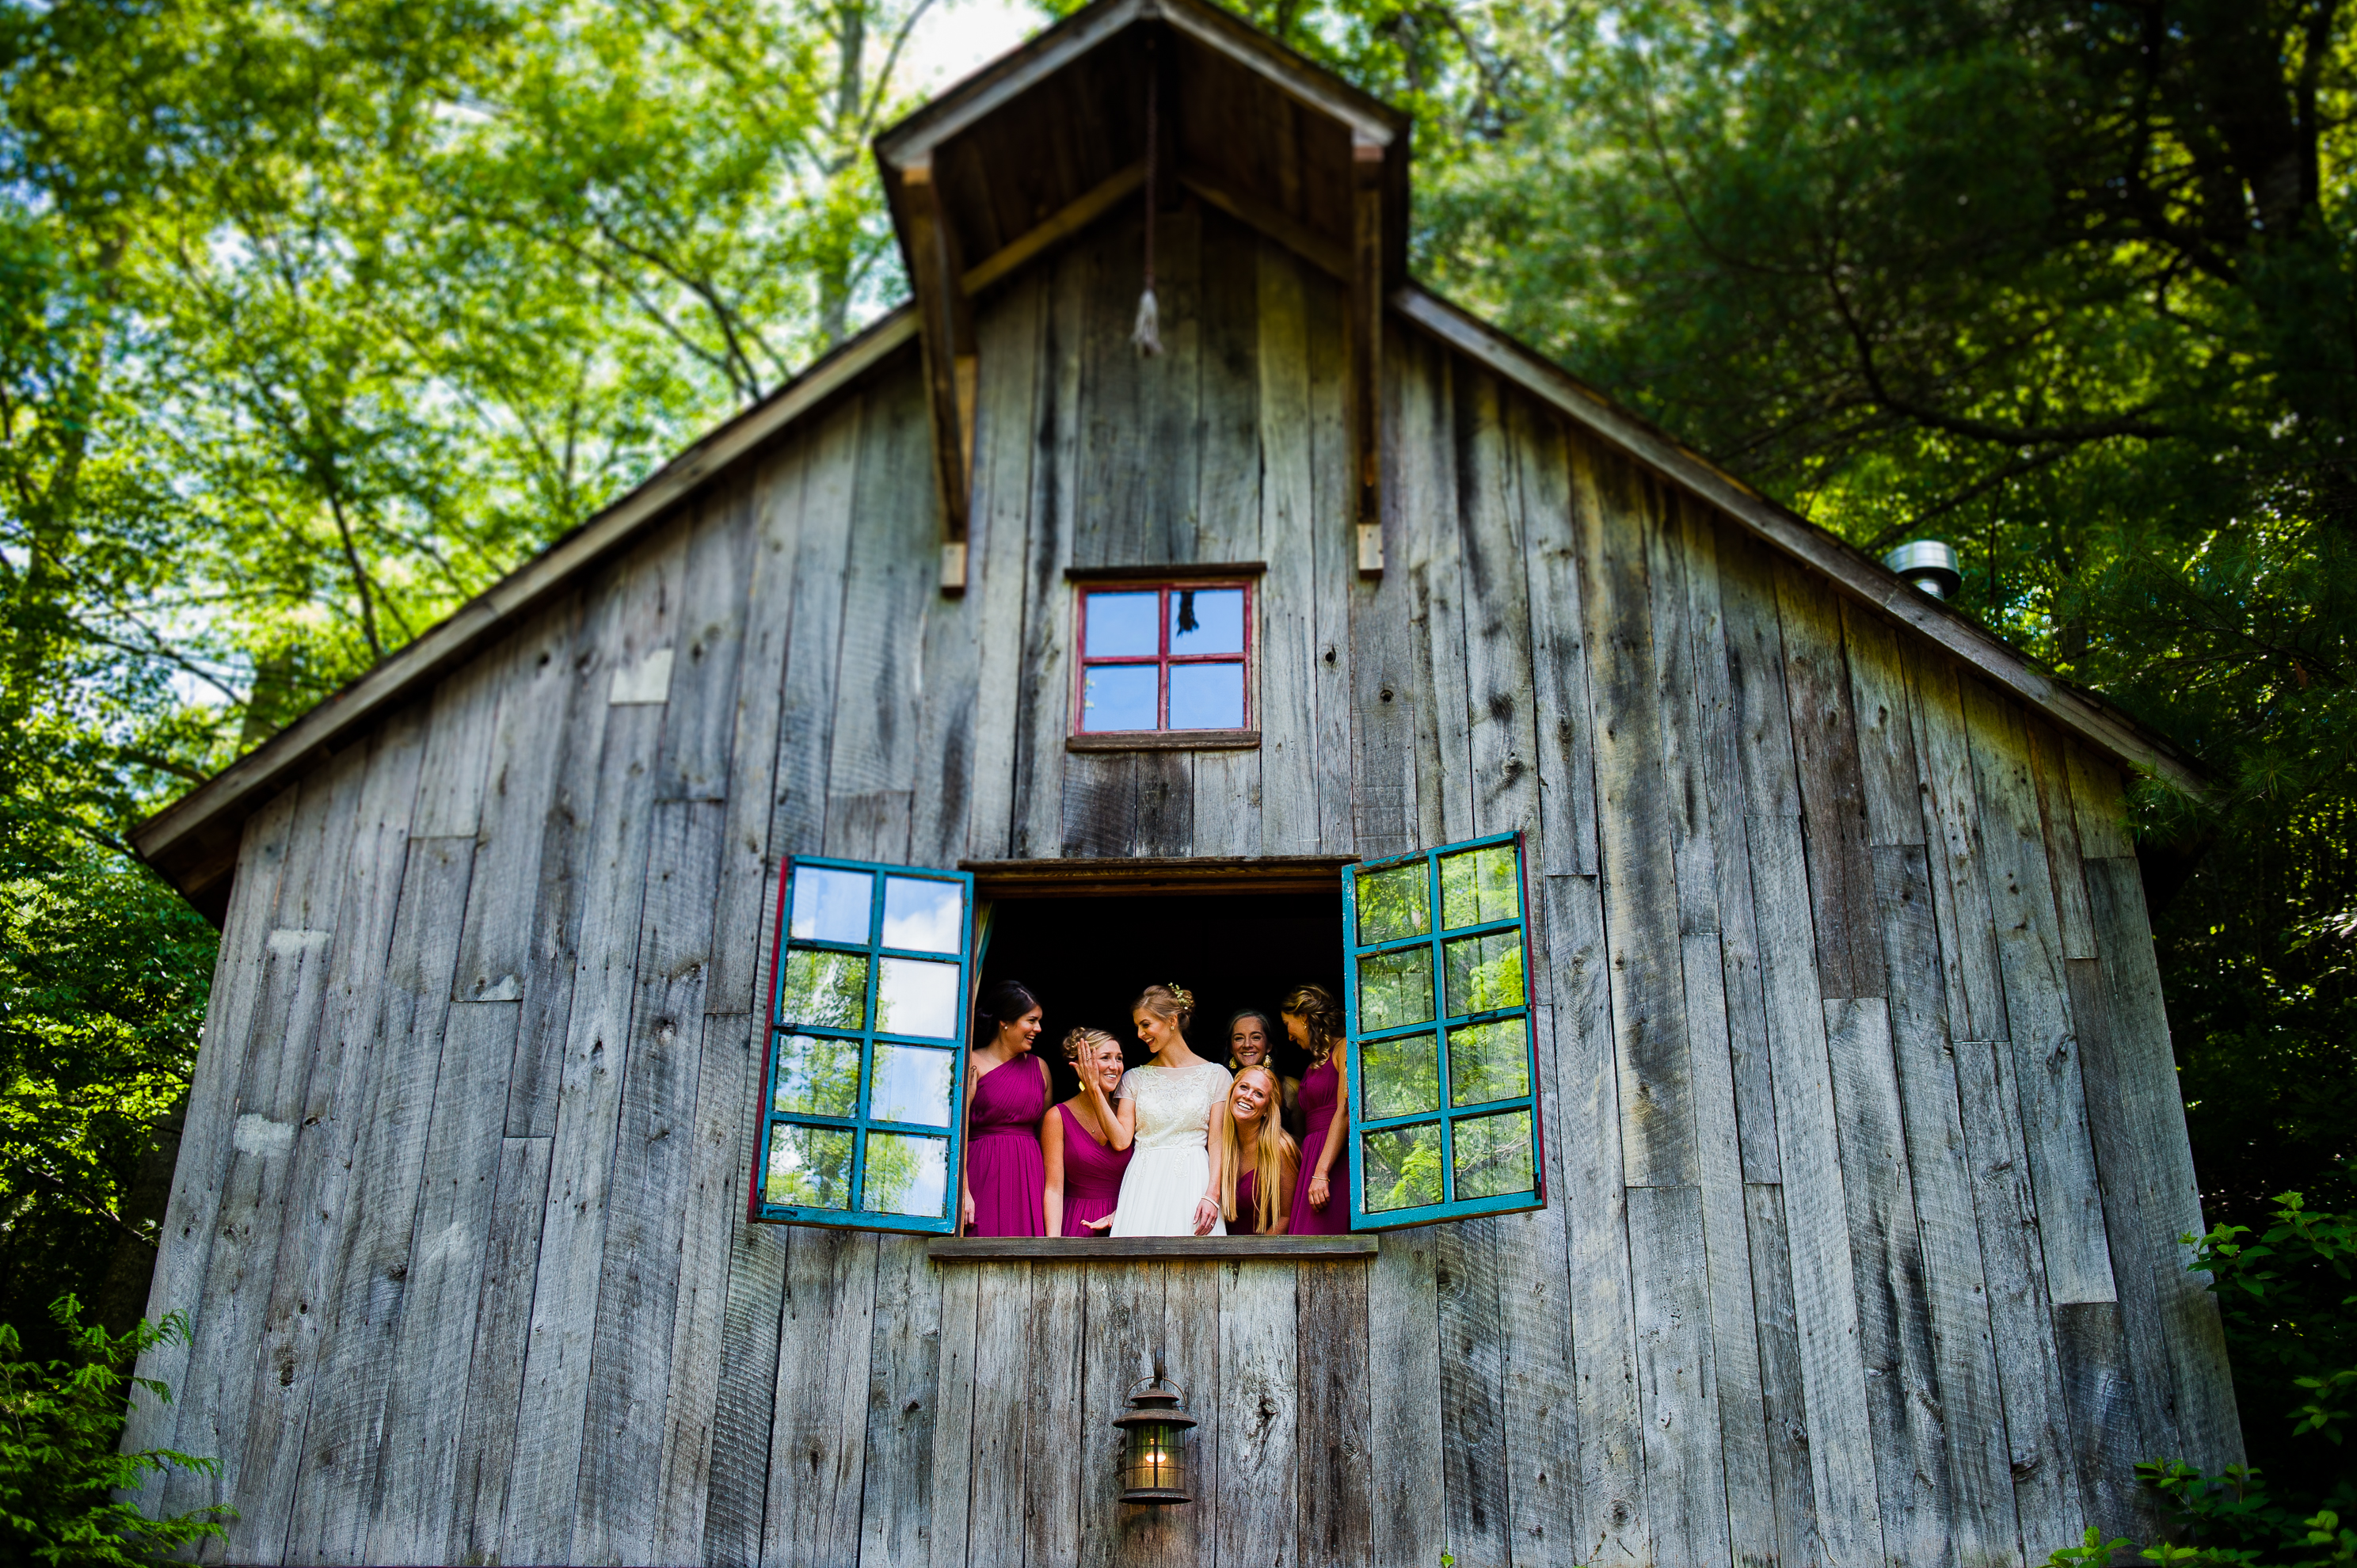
pixel 1321 1086
pixel 1092 1176
pixel 1004 1167
pixel 1247 1220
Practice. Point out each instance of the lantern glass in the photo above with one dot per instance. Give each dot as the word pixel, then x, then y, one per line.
pixel 1154 1461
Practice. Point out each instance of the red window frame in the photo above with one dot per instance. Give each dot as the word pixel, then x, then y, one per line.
pixel 1162 658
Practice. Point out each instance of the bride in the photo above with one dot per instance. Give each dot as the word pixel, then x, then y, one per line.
pixel 1172 1186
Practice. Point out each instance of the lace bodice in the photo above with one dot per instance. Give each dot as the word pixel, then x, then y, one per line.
pixel 1174 1103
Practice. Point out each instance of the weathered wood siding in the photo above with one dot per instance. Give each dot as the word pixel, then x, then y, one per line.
pixel 1865 1156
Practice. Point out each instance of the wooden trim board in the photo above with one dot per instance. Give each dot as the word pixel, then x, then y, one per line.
pixel 1167 740
pixel 1169 1248
pixel 1077 879
pixel 1178 574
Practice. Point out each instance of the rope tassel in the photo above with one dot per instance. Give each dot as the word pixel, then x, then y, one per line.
pixel 1148 334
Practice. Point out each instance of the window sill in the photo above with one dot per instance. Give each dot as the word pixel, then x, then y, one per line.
pixel 1204 1249
pixel 1167 740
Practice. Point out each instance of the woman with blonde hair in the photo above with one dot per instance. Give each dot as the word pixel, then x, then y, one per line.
pixel 1249 1036
pixel 1172 1186
pixel 1313 1020
pixel 1257 1157
pixel 1086 1141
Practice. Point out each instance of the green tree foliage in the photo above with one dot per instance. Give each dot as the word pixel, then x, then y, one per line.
pixel 61 1470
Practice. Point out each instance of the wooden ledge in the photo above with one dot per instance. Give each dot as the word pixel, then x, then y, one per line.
pixel 1167 740
pixel 1083 878
pixel 1195 1249
pixel 1195 573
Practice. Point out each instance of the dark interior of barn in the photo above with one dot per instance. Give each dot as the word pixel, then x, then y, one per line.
pixel 1087 958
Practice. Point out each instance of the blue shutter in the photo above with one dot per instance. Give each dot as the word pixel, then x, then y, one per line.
pixel 1444 1079
pixel 862 1112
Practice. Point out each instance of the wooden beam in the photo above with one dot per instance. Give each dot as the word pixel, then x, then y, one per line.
pixel 1075 216
pixel 945 318
pixel 1855 573
pixel 1087 878
pixel 1196 1249
pixel 1367 347
pixel 1327 256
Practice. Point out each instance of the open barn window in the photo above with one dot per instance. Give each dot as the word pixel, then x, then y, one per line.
pixel 868 994
pixel 1444 1070
pixel 1164 663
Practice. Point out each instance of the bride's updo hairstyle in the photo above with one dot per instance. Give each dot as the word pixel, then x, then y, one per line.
pixel 1315 1006
pixel 1173 1002
pixel 1000 1005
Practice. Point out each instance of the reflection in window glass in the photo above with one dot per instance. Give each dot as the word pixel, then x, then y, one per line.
pixel 1400 1168
pixel 1395 903
pixel 1493 1154
pixel 1207 696
pixel 914 997
pixel 1484 972
pixel 1399 1075
pixel 910 1083
pixel 817 1076
pixel 826 989
pixel 923 915
pixel 1479 885
pixel 1121 626
pixel 1118 698
pixel 1207 620
pixel 1394 988
pixel 906 1175
pixel 810 1168
pixel 829 905
pixel 1489 1061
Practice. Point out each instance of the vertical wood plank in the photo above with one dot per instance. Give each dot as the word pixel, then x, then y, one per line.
pixel 1824 1293
pixel 1783 1394
pixel 457 767
pixel 700 719
pixel 1334 498
pixel 1428 474
pixel 1967 925
pixel 1755 672
pixel 736 1497
pixel 1535 1295
pixel 1191 1337
pixel 948 1520
pixel 1010 336
pixel 2050 767
pixel 1552 535
pixel 1383 694
pixel 646 1195
pixel 2106 1435
pixel 1121 1325
pixel 335 1491
pixel 1833 792
pixel 1333 1430
pixel 1885 737
pixel 2100 807
pixel 1287 542
pixel 1979 1520
pixel 1610 1492
pixel 1692 842
pixel 1235 466
pixel 819 1443
pixel 527 736
pixel 487 1436
pixel 1502 702
pixel 1046 690
pixel 995 1512
pixel 903 1382
pixel 1472 1392
pixel 1685 1494
pixel 2045 1049
pixel 1411 1503
pixel 1055 1476
pixel 813 642
pixel 418 1496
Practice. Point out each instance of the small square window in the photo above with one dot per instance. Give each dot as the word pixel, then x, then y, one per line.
pixel 1164 659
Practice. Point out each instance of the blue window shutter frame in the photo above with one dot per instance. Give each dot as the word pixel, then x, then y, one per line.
pixel 859 1123
pixel 1445 1116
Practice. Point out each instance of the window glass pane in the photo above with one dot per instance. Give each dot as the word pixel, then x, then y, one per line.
pixel 923 913
pixel 828 989
pixel 829 905
pixel 1399 1077
pixel 1479 885
pixel 817 1076
pixel 1121 626
pixel 1119 697
pixel 906 1175
pixel 1400 1167
pixel 1207 696
pixel 914 997
pixel 1395 903
pixel 1394 988
pixel 1484 972
pixel 1489 1061
pixel 1493 1154
pixel 810 1168
pixel 910 1083
pixel 1207 620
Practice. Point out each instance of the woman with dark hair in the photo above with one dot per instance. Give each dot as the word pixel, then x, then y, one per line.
pixel 1314 1021
pixel 1005 1095
pixel 1249 1036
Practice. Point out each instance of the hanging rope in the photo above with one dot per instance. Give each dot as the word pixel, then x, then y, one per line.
pixel 1148 333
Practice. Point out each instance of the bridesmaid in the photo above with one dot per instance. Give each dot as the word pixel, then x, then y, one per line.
pixel 1006 1094
pixel 1314 1022
pixel 1249 1033
pixel 1086 1141
pixel 1258 1158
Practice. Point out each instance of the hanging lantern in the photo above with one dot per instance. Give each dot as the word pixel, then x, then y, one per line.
pixel 1153 1438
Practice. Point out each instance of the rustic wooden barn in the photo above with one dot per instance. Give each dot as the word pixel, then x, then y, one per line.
pixel 1852 1234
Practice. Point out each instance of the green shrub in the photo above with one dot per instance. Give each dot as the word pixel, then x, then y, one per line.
pixel 59 1468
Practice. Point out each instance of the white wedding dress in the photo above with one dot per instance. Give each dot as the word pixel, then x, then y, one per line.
pixel 1171 1169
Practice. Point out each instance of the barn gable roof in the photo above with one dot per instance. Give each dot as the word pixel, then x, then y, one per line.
pixel 1327 137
